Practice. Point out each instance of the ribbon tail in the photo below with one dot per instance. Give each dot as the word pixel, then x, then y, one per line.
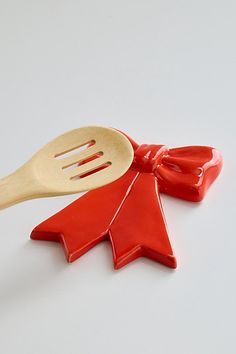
pixel 139 228
pixel 86 222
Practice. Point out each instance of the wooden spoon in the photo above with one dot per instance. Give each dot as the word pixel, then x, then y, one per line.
pixel 59 168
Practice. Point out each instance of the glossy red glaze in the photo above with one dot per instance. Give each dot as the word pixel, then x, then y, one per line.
pixel 128 211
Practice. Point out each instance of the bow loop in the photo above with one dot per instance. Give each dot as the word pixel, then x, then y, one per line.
pixel 187 172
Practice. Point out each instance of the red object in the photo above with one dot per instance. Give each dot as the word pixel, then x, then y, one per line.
pixel 128 211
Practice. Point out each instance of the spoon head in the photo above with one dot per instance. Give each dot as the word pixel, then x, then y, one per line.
pixel 82 159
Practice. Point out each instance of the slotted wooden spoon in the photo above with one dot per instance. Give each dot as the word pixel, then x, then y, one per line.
pixel 59 168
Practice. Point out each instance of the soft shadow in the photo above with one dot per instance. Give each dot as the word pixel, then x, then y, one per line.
pixel 179 203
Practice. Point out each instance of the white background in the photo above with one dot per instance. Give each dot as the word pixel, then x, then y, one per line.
pixel 164 71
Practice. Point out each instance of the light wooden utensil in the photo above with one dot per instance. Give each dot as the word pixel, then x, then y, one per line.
pixel 80 160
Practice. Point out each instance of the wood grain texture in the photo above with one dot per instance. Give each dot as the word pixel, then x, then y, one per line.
pixel 45 174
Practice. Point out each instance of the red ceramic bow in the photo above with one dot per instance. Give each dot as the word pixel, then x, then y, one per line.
pixel 128 211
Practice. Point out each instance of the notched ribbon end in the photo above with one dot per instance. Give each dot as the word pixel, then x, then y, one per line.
pixel 44 235
pixel 169 261
pixel 164 259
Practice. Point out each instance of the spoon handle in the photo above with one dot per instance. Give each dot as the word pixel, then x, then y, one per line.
pixel 16 188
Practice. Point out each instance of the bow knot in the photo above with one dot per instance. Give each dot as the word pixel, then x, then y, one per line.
pixel 148 157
